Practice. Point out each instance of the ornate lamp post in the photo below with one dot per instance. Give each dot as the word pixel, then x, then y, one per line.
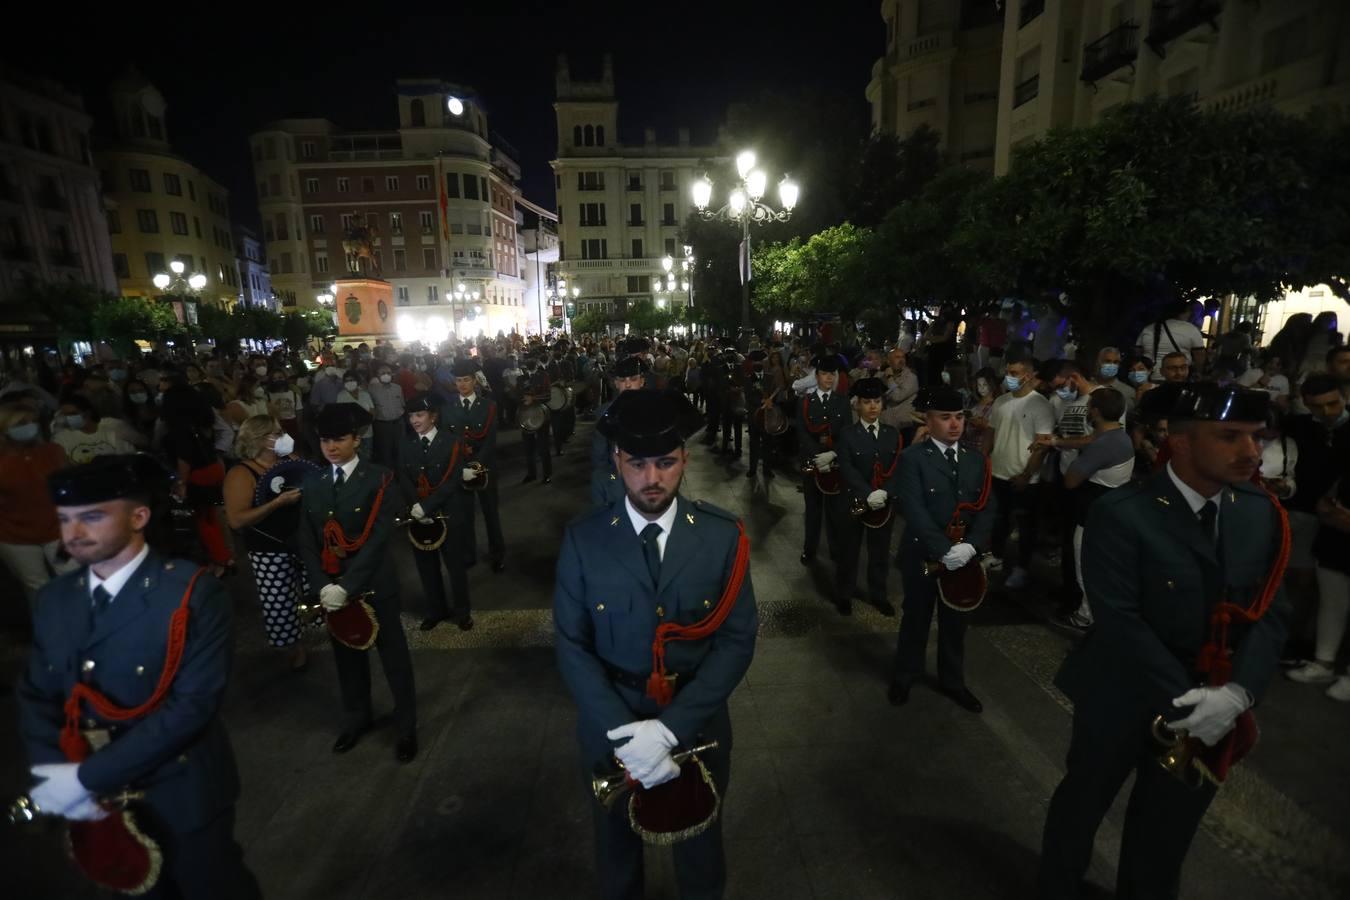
pixel 181 286
pixel 744 205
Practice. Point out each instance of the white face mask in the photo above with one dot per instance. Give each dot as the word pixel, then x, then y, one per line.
pixel 260 371
pixel 75 422
pixel 23 433
pixel 137 398
pixel 386 378
pixel 350 386
pixel 284 446
pixel 259 393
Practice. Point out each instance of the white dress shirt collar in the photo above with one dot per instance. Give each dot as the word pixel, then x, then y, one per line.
pixel 347 468
pixel 472 398
pixel 943 447
pixel 667 521
pixel 1194 498
pixel 823 394
pixel 430 435
pixel 118 580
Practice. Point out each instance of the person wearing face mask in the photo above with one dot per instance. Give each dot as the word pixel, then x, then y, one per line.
pixel 269 531
pixel 1137 374
pixel 902 386
pixel 139 405
pixel 100 392
pixel 354 391
pixel 29 536
pixel 327 387
pixel 283 403
pixel 1108 372
pixel 87 434
pixel 1017 420
pixel 250 399
pixel 387 396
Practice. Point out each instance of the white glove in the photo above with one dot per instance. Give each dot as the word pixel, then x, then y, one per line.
pixel 958 556
pixel 469 474
pixel 418 512
pixel 876 499
pixel 665 770
pixel 646 751
pixel 60 788
pixel 823 460
pixel 1216 709
pixel 86 811
pixel 333 597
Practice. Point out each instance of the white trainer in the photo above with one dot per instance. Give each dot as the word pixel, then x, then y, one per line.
pixel 1340 690
pixel 1312 673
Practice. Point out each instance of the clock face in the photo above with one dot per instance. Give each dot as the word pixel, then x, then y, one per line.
pixel 456 106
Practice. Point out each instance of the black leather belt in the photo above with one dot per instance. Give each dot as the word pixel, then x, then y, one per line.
pixel 639 682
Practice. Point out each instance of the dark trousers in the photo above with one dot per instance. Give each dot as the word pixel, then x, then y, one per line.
pixel 205 864
pixel 821 509
pixel 731 428
pixel 921 596
pixel 852 535
pixel 563 425
pixel 492 522
pixel 537 443
pixel 387 435
pixel 429 573
pixel 353 669
pixel 1023 503
pixel 713 409
pixel 700 862
pixel 761 449
pixel 1160 818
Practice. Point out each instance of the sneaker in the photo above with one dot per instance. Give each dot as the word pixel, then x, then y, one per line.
pixel 1017 580
pixel 1312 673
pixel 993 564
pixel 1077 619
pixel 1340 690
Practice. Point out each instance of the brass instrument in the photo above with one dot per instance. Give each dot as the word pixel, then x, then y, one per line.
pixel 872 518
pixel 354 625
pixel 828 481
pixel 426 536
pixel 1178 753
pixel 480 479
pixel 23 811
pixel 610 786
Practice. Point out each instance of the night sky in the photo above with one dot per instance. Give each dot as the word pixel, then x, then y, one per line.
pixel 226 75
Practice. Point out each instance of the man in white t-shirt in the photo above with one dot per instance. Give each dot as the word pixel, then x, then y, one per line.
pixel 1172 335
pixel 1019 418
pixel 86 434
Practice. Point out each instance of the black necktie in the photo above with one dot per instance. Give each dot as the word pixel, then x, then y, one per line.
pixel 100 605
pixel 872 430
pixel 426 444
pixel 466 404
pixel 951 459
pixel 651 551
pixel 825 397
pixel 1208 515
pixel 338 477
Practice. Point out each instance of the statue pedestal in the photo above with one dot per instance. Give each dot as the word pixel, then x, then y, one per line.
pixel 365 306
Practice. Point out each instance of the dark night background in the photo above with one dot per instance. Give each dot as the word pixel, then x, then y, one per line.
pixel 223 76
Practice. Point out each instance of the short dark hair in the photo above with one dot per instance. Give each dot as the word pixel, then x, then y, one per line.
pixel 1336 351
pixel 1109 402
pixel 1167 356
pixel 81 402
pixel 1319 383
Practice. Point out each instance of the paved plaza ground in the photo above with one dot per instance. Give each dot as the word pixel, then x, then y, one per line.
pixel 834 793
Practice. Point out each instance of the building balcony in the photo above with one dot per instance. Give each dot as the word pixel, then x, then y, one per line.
pixel 611 265
pixel 1173 18
pixel 1029 10
pixel 1116 48
pixel 1026 91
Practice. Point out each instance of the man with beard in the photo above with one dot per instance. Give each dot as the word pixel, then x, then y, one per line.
pixel 100 635
pixel 606 488
pixel 1182 572
pixel 653 559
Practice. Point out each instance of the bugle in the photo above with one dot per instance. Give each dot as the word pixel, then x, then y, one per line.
pixel 1178 751
pixel 354 625
pixel 872 518
pixel 425 536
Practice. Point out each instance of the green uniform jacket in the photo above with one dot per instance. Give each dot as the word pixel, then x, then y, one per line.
pixel 837 412
pixel 929 495
pixel 1152 577
pixel 367 569
pixel 858 452
pixel 413 461
pixel 473 422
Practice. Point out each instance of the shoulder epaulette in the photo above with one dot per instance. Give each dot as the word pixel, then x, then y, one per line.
pixel 704 506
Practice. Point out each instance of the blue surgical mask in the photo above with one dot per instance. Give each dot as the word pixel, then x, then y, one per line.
pixel 1012 383
pixel 137 397
pixel 117 374
pixel 75 422
pixel 23 433
pixel 1110 370
pixel 946 377
pixel 1138 376
pixel 1066 393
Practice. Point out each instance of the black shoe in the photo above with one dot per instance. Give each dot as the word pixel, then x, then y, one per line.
pixel 845 607
pixel 465 623
pixel 430 622
pixel 405 751
pixel 898 694
pixel 527 479
pixel 347 740
pixel 548 479
pixel 498 566
pixel 964 699
pixel 808 558
pixel 884 607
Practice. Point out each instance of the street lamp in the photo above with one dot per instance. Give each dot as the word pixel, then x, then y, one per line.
pixel 178 284
pixel 744 205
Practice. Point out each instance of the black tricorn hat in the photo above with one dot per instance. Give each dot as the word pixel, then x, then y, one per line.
pixel 649 423
pixel 940 398
pixel 341 419
pixel 628 367
pixel 422 402
pixel 868 389
pixel 107 478
pixel 826 363
pixel 1208 401
pixel 465 366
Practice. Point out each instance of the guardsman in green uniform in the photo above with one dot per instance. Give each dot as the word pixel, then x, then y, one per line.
pixel 562 370
pixel 474 419
pixel 606 488
pixel 105 627
pixel 431 474
pixel 347 515
pixel 653 559
pixel 822 416
pixel 936 475
pixel 534 391
pixel 869 460
pixel 1162 562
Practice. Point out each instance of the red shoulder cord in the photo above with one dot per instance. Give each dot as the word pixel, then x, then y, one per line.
pixel 487 426
pixel 1215 658
pixel 878 476
pixel 828 439
pixel 334 538
pixel 72 743
pixel 658 687
pixel 425 487
pixel 979 504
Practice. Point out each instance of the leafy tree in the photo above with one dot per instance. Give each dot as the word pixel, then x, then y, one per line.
pixel 298 325
pixel 592 321
pixel 826 272
pixel 121 321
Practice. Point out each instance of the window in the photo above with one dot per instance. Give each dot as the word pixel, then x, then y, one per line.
pixel 670 246
pixel 433 294
pixel 154 264
pixel 637 248
pixel 417 112
pixel 594 248
pixel 470 187
pixel 172 185
pixel 400 260
pixel 590 181
pixel 429 258
pixel 148 221
pixel 197 226
pixel 308 149
pixel 1284 44
pixel 592 214
pixel 274 183
pixel 424 219
pixel 482 183
pixel 286 266
pixel 347 219
pixel 639 284
pixel 321 262
pixel 589 135
pixel 452 185
pixel 140 180
pixel 635 181
pixel 635 214
pixel 368 185
pixel 114 222
pixel 262 190
pixel 270 148
pixel 396 223
pixel 120 266
pixel 344 185
pixel 178 223
pixel 311 185
pixel 192 191
pixel 667 180
pixel 599 135
pixel 316 224
pixel 391 182
pixel 668 214
pixel 401 295
pixel 424 182
pixel 576 136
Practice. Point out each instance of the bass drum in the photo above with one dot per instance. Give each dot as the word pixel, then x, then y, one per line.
pixel 560 397
pixel 772 420
pixel 533 417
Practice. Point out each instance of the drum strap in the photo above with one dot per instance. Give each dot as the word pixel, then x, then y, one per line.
pixel 334 538
pixel 880 477
pixel 822 428
pixel 658 685
pixel 424 486
pixel 72 742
